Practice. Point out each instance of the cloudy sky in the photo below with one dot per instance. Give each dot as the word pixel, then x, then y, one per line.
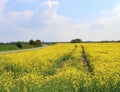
pixel 59 20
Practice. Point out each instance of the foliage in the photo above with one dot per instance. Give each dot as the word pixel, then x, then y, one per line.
pixel 38 43
pixel 35 43
pixel 19 44
pixel 32 42
pixel 76 41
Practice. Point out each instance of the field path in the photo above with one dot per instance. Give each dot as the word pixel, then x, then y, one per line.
pixel 11 51
pixel 85 60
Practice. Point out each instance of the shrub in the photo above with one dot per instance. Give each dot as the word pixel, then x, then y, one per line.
pixel 19 44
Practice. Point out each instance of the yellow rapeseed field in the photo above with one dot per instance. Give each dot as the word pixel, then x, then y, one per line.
pixel 59 68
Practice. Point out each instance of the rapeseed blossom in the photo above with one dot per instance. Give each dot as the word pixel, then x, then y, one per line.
pixel 58 68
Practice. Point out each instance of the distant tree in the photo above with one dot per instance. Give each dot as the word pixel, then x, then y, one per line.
pixel 118 41
pixel 38 43
pixel 19 44
pixel 31 42
pixel 76 41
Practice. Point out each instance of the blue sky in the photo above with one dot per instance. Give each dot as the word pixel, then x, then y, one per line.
pixel 59 20
pixel 84 8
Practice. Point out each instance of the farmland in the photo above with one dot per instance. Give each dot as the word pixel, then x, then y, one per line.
pixel 8 47
pixel 62 68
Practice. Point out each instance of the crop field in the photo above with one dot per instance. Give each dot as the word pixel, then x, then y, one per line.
pixel 85 67
pixel 8 47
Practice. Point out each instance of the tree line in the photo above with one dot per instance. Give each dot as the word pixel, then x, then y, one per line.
pixel 34 43
pixel 31 43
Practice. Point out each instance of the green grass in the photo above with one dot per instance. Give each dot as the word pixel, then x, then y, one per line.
pixel 14 47
pixel 8 47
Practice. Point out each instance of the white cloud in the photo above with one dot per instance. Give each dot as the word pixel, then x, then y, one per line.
pixel 116 10
pixel 2 5
pixel 46 24
pixel 2 17
pixel 106 27
pixel 44 21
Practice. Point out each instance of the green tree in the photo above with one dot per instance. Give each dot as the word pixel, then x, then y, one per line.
pixel 32 42
pixel 76 41
pixel 38 43
pixel 19 44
